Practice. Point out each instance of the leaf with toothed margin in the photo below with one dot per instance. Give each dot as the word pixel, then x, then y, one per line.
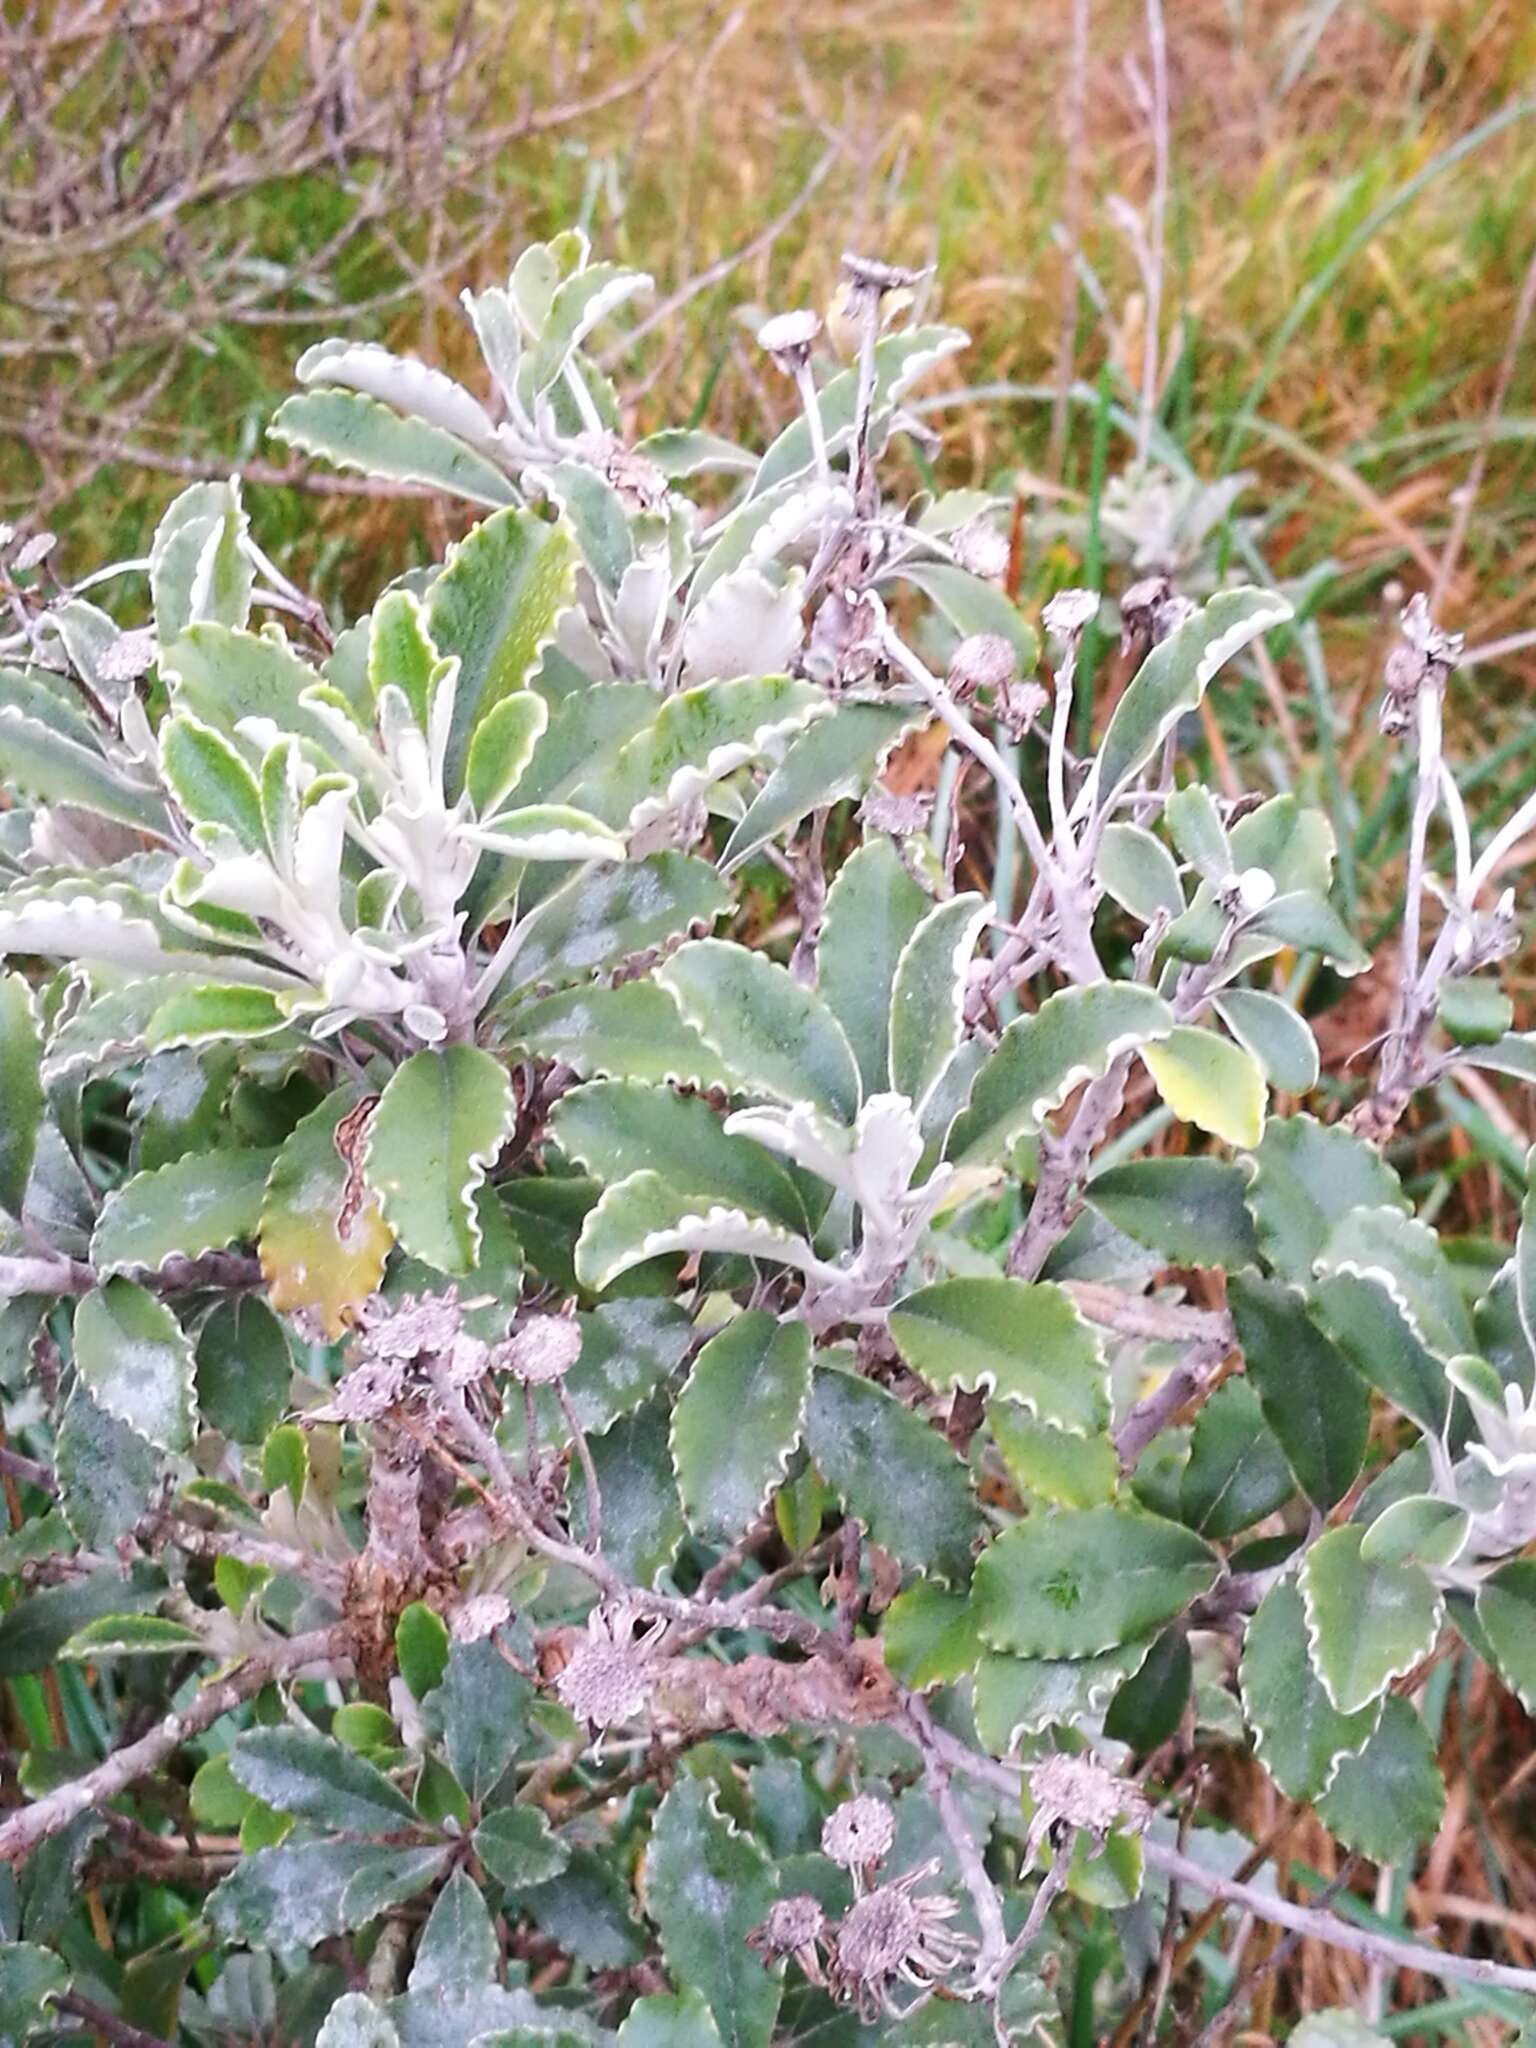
pixel 630 1033
pixel 1300 1736
pixel 775 1036
pixel 663 2020
pixel 1306 1178
pixel 738 1420
pixel 1074 1036
pixel 1173 678
pixel 496 606
pixel 204 1014
pixel 351 431
pixel 1387 1800
pixel 22 1100
pixel 616 1128
pixel 296 1770
pixel 197 1204
pixel 1237 1472
pixel 301 1892
pixel 210 781
pixel 1020 1696
pixel 441 1121
pixel 707 1885
pixel 1021 1339
pixel 873 907
pixel 1404 1258
pixel 892 1472
pixel 1367 1623
pixel 928 994
pixel 1506 1608
pixel 929 1636
pixel 1279 1038
pixel 413 388
pixel 642 1516
pixel 1082 1580
pixel 306 1261
pixel 597 920
pixel 700 736
pixel 135 1358
pixel 642 1217
pixel 1189 1210
pixel 838 757
pixel 501 748
pixel 547 832
pixel 55 769
pixel 354 2021
pixel 107 1473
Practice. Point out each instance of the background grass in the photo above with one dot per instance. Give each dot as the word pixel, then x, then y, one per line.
pixel 1350 217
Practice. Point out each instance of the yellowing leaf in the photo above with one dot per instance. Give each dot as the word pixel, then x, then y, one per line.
pixel 1209 1082
pixel 307 1259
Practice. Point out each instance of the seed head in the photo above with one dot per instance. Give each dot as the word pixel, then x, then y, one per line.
pixel 860 1833
pixel 794 1927
pixel 982 661
pixel 789 338
pixel 1080 1792
pixel 901 815
pixel 541 1350
pixel 895 1934
pixel 480 1616
pixel 1425 656
pixel 608 1679
pixel 1069 611
pixel 980 548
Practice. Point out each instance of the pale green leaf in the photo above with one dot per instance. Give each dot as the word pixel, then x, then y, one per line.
pixel 1237 1472
pixel 1312 1399
pixel 22 1099
pixel 633 1032
pixel 1023 1340
pixel 1209 1082
pixel 502 747
pixel 1279 1039
pixel 516 1846
pixel 642 1522
pixel 928 995
pixel 306 1260
pixel 701 735
pixel 1300 1735
pixel 137 1362
pixel 776 1037
pixel 837 757
pixel 1080 1581
pixel 359 433
pixel 1386 1800
pixel 1367 1623
pixel 1139 872
pixel 299 1771
pixel 1020 1696
pixel 642 1217
pixel 440 1122
pixel 1306 1178
pixel 707 1885
pixel 872 910
pixel 200 1203
pixel 599 919
pixel 1190 1210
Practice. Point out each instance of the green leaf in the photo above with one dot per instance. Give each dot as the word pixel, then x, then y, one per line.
pixel 1367 1623
pixel 580 304
pixel 1237 1472
pixel 31 1978
pixel 628 1350
pixel 605 916
pixel 441 1121
pixel 354 2021
pixel 1139 872
pixel 516 1846
pixel 135 1358
pixel 501 749
pixel 643 1522
pixel 484 1706
pixel 1197 831
pixel 1020 1339
pixel 107 1474
pixel 1403 1257
pixel 642 1217
pixel 1078 1582
pixel 210 781
pixel 34 1631
pixel 305 1260
pixel 586 1909
pixel 1054 1464
pixel 22 1100
pixel 244 1369
pixel 131 1635
pixel 972 605
pixel 199 566
pixel 1418 1529
pixel 285 1461
pixel 421 1648
pixel 665 2021
pixel 873 908
pixel 616 1128
pixel 707 1886
pixel 223 675
pixel 1146 1711
pixel 930 1636
pixel 1191 1211
pixel 203 1016
pixel 197 1204
pixel 928 995
pixel 631 1033
pixel 1020 1696
pixel 1312 1400
pixel 458 1949
pixel 1475 1012
pixel 738 1419
pixel 1364 1322
pixel 358 433
pixel 1173 678
pixel 892 1473
pixel 400 651
pixel 54 769
pixel 1506 1609
pixel 1209 1082
pixel 496 606
pixel 298 1771
pixel 699 736
pixel 1074 1036
pixel 299 1893
pixel 1307 1177
pixel 836 758
pixel 1386 1802
pixel 1278 1038
pixel 550 832
pixel 1300 1735
pixel 774 1036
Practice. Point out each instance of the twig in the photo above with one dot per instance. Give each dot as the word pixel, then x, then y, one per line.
pixel 79 2007
pixel 124 1767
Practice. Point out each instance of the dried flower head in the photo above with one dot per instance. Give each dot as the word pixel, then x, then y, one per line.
pixel 790 337
pixel 860 1833
pixel 410 1326
pixel 1019 705
pixel 982 661
pixel 794 1927
pixel 894 1935
pixel 608 1679
pixel 1425 655
pixel 641 483
pixel 541 1350
pixel 902 814
pixel 867 274
pixel 981 549
pixel 1069 612
pixel 480 1616
pixel 1150 610
pixel 1078 1792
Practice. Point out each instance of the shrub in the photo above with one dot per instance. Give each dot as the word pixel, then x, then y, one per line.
pixel 585 1480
